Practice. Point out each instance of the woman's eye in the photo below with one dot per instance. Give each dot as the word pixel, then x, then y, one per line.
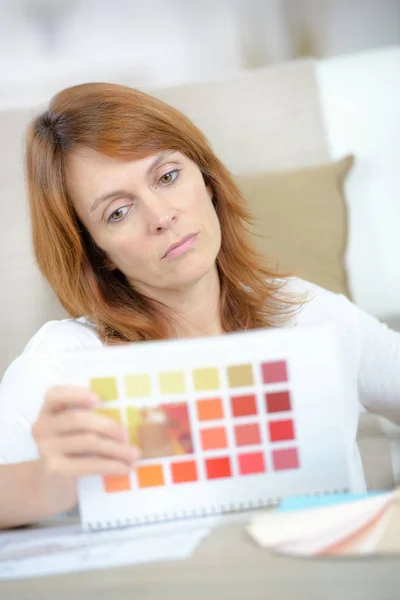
pixel 169 177
pixel 118 215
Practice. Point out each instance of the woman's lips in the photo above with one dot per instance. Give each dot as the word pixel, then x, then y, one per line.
pixel 181 247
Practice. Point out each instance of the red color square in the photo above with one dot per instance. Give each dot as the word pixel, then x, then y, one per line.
pixel 251 463
pixel 184 472
pixel 242 406
pixel 278 402
pixel 274 372
pixel 285 459
pixel 217 468
pixel 281 430
pixel 245 435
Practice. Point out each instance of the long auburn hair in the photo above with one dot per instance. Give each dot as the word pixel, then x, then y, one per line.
pixel 126 123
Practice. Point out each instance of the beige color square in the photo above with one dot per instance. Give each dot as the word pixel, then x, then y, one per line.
pixel 240 376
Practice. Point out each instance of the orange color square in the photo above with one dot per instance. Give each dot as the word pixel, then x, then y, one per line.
pixel 214 438
pixel 116 483
pixel 184 472
pixel 210 409
pixel 150 476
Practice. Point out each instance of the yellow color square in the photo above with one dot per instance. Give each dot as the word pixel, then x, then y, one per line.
pixel 240 376
pixel 172 382
pixel 105 387
pixel 137 386
pixel 206 379
pixel 134 419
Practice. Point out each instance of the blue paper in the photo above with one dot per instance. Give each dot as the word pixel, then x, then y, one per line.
pixel 304 502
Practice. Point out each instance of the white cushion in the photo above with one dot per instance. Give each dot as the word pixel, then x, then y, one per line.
pixel 360 98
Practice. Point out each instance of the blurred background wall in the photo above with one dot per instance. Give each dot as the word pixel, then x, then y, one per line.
pixel 47 44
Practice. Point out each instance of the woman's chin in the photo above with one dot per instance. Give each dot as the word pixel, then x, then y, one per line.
pixel 191 273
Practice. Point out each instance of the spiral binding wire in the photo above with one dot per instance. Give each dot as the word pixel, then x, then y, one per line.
pixel 205 511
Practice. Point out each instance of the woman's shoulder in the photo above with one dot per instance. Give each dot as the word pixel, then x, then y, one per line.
pixel 27 378
pixel 63 335
pixel 315 304
pixel 300 286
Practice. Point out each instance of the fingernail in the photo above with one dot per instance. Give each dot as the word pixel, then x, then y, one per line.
pixel 124 435
pixel 93 398
pixel 136 453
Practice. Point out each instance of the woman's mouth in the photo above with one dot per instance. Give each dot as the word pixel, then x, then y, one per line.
pixel 182 246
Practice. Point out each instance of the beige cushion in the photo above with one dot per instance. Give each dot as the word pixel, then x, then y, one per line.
pixel 258 119
pixel 301 221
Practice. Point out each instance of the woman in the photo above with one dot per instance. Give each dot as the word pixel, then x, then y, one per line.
pixel 141 232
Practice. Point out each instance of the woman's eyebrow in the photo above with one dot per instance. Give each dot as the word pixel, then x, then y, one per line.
pixel 108 195
pixel 159 158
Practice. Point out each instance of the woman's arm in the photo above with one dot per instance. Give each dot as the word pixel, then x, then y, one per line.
pixel 29 494
pixel 369 349
pixel 379 367
pixel 73 440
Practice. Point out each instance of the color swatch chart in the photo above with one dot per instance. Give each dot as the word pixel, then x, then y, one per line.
pixel 222 423
pixel 219 436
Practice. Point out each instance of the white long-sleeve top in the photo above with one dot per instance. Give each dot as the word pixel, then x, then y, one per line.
pixel 370 353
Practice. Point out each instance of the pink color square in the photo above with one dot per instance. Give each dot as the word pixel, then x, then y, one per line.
pixel 274 372
pixel 281 430
pixel 248 434
pixel 251 463
pixel 278 402
pixel 285 459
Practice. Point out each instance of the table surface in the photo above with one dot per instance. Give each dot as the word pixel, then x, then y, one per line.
pixel 226 565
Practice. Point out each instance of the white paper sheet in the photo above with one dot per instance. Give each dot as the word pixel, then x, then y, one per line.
pixel 39 552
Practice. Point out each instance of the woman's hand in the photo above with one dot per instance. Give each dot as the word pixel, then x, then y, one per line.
pixel 73 441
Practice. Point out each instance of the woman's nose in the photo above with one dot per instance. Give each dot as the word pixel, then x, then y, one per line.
pixel 164 222
pixel 161 215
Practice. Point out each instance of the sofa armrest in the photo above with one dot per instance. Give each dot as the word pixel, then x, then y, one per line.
pixel 376 453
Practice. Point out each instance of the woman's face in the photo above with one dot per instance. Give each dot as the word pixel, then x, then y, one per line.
pixel 154 217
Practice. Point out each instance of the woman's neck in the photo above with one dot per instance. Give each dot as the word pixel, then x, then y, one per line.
pixel 193 311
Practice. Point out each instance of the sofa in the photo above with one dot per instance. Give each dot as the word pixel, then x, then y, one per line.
pixel 314 147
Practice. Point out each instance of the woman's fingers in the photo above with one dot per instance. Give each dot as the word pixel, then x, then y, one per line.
pixel 61 397
pixel 85 444
pixel 77 420
pixel 75 440
pixel 77 467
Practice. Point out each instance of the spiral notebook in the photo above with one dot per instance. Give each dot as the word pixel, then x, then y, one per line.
pixel 224 424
